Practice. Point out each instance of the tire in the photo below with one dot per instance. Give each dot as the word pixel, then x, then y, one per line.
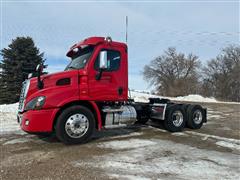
pixel 195 116
pixel 75 125
pixel 171 122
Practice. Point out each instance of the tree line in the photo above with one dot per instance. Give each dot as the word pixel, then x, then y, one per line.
pixel 177 74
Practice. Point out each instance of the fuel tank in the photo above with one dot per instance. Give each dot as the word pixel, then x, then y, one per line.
pixel 119 117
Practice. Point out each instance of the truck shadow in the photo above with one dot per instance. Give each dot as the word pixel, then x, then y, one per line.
pixel 156 124
pixel 116 132
pixel 97 135
pixel 109 133
pixel 48 138
pixel 126 131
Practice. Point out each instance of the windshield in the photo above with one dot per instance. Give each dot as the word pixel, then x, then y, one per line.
pixel 80 59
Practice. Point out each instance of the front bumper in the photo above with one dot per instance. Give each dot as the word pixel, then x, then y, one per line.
pixel 34 121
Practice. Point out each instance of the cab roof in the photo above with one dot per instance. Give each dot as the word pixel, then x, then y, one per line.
pixel 93 41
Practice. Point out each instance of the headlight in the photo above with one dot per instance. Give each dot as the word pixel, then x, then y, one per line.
pixel 36 103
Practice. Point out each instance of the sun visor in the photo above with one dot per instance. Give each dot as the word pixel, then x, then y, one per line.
pixel 87 42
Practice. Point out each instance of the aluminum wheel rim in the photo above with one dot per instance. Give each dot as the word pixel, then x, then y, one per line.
pixel 197 117
pixel 177 117
pixel 76 125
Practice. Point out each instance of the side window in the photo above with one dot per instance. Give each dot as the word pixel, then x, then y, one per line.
pixel 113 58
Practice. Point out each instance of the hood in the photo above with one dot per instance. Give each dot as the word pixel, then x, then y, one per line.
pixel 53 81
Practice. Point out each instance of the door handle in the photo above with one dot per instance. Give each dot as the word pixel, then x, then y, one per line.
pixel 120 91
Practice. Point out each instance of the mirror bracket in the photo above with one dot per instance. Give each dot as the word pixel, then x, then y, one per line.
pixel 39 70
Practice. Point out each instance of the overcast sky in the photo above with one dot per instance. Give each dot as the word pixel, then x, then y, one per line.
pixel 199 27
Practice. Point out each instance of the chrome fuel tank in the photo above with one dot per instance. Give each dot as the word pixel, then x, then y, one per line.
pixel 115 117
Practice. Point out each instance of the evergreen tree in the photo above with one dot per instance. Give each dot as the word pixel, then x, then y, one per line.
pixel 19 59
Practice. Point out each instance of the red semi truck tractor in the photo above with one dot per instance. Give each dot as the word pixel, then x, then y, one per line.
pixel 92 93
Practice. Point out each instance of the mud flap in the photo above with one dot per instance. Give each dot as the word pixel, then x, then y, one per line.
pixel 204 115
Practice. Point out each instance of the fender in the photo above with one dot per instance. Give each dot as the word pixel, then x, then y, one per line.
pixel 75 98
pixel 96 109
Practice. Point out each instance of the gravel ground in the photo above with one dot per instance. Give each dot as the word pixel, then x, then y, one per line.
pixel 138 152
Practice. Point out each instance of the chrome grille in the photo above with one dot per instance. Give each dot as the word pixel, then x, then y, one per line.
pixel 25 86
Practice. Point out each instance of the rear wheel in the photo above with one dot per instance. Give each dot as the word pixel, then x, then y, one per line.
pixel 75 125
pixel 195 116
pixel 175 119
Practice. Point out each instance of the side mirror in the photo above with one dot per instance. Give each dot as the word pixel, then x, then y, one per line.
pixel 103 64
pixel 103 60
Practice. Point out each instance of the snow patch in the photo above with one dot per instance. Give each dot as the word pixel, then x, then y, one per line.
pixel 16 141
pixel 8 124
pixel 129 177
pixel 179 134
pixel 140 96
pixel 8 119
pixel 126 144
pixel 231 143
pixel 216 116
pixel 195 98
pixel 228 145
pixel 230 140
pixel 3 139
pixel 164 159
pixel 9 108
pixel 156 129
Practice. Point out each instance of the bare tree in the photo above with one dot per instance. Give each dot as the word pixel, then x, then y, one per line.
pixel 222 75
pixel 173 73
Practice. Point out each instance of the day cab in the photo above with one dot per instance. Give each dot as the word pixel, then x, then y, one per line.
pixel 92 93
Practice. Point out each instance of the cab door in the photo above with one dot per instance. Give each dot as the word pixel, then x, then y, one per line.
pixel 113 83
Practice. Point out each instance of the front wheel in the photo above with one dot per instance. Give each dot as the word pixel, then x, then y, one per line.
pixel 75 125
pixel 175 119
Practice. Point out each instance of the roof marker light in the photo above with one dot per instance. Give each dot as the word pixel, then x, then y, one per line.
pixel 108 39
pixel 75 50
